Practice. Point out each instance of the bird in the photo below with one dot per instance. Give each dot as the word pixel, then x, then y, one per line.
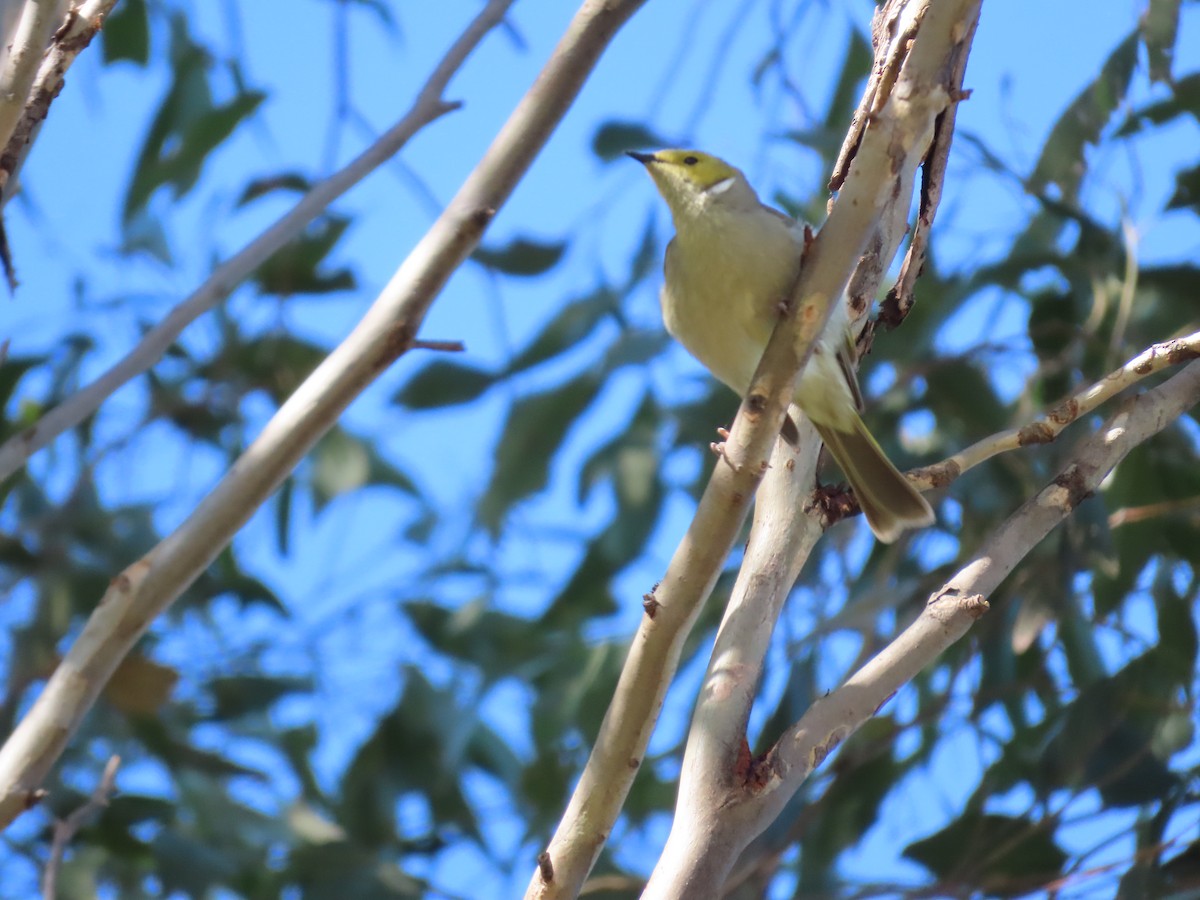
pixel 731 264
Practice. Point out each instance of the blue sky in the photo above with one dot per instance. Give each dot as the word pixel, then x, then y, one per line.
pixel 1028 62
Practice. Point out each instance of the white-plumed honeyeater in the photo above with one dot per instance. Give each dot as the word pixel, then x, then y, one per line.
pixel 731 263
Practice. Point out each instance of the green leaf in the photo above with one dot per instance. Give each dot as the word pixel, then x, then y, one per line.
pixel 865 773
pixel 274 363
pixel 190 866
pixel 12 370
pixel 443 383
pixel 289 182
pixel 1062 161
pixel 521 256
pixel 125 810
pixel 535 430
pixel 225 577
pixel 566 330
pixel 342 462
pixel 498 644
pixel 1003 855
pixel 184 759
pixel 334 870
pixel 187 127
pixel 144 233
pixel 635 348
pixel 242 695
pixel 1159 26
pixel 1126 772
pixel 417 748
pixel 126 33
pixel 283 515
pixel 963 399
pixel 1187 189
pixel 1053 330
pixel 1107 737
pixel 1159 471
pixel 180 163
pixel 648 258
pixel 574 697
pixel 827 137
pixel 587 593
pixel 855 68
pixel 297 267
pixel 630 459
pixel 199 419
pixel 1184 101
pixel 614 138
pixel 488 752
pixel 1178 642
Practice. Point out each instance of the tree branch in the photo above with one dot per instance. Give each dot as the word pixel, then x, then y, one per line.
pixel 23 58
pixel 82 24
pixel 950 611
pixel 889 141
pixel 899 300
pixel 1049 426
pixel 146 588
pixel 901 126
pixel 428 106
pixel 749 803
pixel 65 829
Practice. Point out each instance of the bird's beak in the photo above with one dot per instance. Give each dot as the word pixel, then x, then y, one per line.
pixel 644 158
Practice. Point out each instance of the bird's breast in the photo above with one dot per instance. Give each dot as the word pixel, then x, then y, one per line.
pixel 722 293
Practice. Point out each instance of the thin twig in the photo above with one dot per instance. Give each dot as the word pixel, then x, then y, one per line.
pixel 1128 290
pixel 428 106
pixel 1129 515
pixel 442 346
pixel 1047 427
pixel 66 829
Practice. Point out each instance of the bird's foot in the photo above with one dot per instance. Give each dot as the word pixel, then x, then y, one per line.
pixel 835 501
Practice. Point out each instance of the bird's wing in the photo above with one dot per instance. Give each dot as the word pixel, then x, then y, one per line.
pixel 845 350
pixel 847 356
pixel 784 217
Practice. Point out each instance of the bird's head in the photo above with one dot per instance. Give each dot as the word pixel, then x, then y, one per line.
pixel 690 180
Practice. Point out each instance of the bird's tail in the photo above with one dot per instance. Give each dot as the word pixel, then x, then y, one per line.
pixel 889 502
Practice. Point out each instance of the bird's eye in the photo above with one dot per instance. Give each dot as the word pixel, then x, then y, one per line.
pixel 690 160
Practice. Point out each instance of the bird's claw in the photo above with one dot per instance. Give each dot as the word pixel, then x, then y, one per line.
pixel 835 501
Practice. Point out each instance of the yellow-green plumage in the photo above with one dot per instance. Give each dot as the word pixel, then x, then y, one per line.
pixel 729 266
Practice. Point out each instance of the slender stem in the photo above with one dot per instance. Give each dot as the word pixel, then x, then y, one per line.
pixel 65 829
pixel 1047 427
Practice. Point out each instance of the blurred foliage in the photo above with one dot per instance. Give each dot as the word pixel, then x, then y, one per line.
pixel 1075 699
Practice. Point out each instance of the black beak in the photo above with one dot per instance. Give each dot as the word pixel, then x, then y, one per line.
pixel 644 158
